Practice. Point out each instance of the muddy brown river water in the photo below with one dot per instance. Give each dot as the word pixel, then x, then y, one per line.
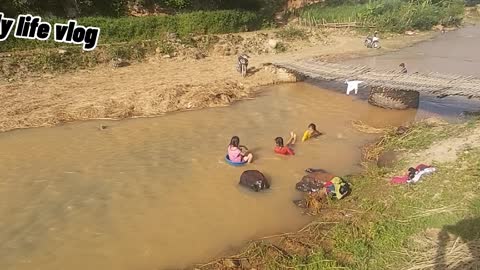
pixel 157 194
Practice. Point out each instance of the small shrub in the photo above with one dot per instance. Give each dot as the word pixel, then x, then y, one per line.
pixel 390 15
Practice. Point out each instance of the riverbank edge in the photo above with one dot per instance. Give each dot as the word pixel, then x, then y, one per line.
pixel 379 223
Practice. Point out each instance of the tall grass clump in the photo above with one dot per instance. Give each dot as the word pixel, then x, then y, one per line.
pixel 389 15
pixel 129 29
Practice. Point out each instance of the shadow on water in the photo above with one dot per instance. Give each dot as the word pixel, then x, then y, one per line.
pixel 468 232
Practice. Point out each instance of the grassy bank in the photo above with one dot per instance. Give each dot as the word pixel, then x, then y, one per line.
pixel 134 29
pixel 390 15
pixel 390 217
pixel 382 226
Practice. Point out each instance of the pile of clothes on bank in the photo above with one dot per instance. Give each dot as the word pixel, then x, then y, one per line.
pixel 318 180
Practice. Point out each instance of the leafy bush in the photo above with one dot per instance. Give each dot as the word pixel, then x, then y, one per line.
pixel 390 15
pixel 127 29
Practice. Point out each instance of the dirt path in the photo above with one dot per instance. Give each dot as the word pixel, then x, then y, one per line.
pixel 161 85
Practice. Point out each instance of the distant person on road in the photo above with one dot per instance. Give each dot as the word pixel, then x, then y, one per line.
pixel 238 153
pixel 281 149
pixel 311 132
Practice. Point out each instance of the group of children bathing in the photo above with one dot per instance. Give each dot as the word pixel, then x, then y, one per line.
pixel 239 153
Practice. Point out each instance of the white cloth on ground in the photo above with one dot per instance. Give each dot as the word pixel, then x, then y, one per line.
pixel 421 173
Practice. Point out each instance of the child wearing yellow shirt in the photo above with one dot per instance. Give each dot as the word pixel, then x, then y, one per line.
pixel 311 132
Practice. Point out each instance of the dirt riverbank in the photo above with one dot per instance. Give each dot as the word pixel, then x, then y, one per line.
pixel 161 84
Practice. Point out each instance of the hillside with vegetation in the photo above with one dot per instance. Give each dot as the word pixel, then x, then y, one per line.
pixel 200 17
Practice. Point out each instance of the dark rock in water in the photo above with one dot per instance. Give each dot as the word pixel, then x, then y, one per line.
pixel 306 185
pixel 102 127
pixel 254 180
pixel 387 159
pixel 314 180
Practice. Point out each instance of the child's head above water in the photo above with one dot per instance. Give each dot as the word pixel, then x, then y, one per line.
pixel 312 127
pixel 235 141
pixel 279 141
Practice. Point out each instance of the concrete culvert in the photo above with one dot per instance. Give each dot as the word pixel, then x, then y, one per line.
pixel 393 98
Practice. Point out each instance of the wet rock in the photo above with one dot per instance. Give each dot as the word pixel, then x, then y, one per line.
pixel 102 127
pixel 313 181
pixel 254 180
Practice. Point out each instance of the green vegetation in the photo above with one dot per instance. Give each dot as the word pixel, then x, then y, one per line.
pixel 389 15
pixel 131 29
pixel 382 234
pixel 117 8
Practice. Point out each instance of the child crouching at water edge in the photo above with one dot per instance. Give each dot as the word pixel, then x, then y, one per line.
pixel 238 153
pixel 280 148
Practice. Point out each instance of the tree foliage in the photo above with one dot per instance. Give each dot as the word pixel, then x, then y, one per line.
pixel 76 8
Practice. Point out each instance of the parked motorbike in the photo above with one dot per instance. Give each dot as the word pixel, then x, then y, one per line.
pixel 242 66
pixel 372 42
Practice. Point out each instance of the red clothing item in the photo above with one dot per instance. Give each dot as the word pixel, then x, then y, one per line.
pixel 283 150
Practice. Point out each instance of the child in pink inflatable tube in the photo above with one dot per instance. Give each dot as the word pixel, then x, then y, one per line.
pixel 238 153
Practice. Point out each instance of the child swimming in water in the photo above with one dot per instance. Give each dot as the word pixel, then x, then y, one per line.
pixel 311 132
pixel 238 153
pixel 285 150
